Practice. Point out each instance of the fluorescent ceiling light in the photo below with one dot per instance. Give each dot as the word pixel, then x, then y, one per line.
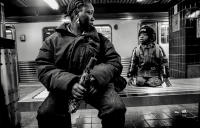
pixel 140 0
pixel 52 3
pixel 65 19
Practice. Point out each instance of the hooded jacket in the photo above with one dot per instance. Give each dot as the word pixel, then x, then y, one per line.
pixel 63 57
pixel 148 61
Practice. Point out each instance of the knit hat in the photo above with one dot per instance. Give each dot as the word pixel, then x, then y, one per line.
pixel 149 31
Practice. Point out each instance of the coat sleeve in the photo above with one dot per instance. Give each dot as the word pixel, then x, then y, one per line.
pixel 164 62
pixel 52 77
pixel 110 66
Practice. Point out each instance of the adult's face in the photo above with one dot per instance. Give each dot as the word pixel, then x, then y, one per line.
pixel 85 16
pixel 88 10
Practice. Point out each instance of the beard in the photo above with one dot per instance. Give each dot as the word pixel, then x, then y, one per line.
pixel 84 23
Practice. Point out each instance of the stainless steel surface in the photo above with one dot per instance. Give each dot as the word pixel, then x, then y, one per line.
pixel 8 60
pixel 28 72
pixel 8 76
pixel 2 20
pixel 9 83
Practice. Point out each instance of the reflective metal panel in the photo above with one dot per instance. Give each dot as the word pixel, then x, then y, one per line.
pixel 9 114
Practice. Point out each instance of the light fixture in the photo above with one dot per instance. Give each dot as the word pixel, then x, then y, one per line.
pixel 152 2
pixel 65 19
pixel 140 1
pixel 22 38
pixel 52 3
pixel 194 14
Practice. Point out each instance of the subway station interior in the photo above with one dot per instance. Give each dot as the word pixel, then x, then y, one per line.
pixel 25 24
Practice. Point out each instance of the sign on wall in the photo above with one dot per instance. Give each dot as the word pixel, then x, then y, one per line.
pixel 198 27
pixel 176 9
pixel 176 22
pixel 163 32
pixel 47 31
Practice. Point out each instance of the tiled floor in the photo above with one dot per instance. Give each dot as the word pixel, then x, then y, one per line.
pixel 167 116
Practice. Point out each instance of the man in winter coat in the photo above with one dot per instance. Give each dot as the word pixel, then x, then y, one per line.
pixel 61 61
pixel 149 64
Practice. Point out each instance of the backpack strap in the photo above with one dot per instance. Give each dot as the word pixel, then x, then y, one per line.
pixel 157 50
pixel 137 50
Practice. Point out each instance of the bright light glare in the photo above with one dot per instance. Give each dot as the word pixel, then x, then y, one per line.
pixel 52 3
pixel 153 90
pixel 66 20
pixel 140 0
pixel 194 14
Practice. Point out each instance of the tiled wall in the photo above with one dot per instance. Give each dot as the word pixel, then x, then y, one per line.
pixel 184 46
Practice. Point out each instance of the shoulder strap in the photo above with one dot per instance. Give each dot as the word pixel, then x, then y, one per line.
pixel 137 50
pixel 157 50
pixel 101 52
pixel 101 42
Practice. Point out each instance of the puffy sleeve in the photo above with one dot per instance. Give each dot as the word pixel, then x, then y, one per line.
pixel 164 62
pixel 52 77
pixel 110 66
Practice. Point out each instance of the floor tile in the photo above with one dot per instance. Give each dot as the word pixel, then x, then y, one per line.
pixel 85 126
pixel 96 125
pixel 84 120
pixel 96 120
pixel 74 117
pixel 129 124
pixel 141 124
pixel 161 115
pixel 29 127
pixel 94 113
pixel 28 118
pixel 168 116
pixel 85 113
pixel 166 122
pixel 154 123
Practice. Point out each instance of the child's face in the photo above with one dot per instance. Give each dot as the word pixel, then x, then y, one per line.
pixel 143 38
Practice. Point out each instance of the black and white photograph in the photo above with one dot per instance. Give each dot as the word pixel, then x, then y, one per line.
pixel 100 63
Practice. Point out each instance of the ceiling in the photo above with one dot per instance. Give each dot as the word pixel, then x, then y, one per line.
pixel 24 8
pixel 39 7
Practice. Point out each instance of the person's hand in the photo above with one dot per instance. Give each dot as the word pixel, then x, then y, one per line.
pixel 78 91
pixel 165 76
pixel 167 82
pixel 92 88
pixel 131 81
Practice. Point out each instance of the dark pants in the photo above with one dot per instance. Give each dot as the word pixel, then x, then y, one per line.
pixel 53 113
pixel 110 105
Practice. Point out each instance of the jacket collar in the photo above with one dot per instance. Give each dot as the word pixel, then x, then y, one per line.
pixel 150 45
pixel 64 30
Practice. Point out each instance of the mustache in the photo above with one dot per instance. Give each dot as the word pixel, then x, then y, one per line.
pixel 85 23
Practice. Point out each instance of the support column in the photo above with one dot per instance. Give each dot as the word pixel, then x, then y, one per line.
pixel 184 45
